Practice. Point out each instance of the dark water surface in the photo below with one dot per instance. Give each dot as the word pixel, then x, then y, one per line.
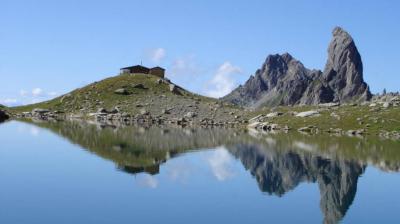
pixel 74 172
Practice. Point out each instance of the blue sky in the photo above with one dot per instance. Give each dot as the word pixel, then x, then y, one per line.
pixel 48 48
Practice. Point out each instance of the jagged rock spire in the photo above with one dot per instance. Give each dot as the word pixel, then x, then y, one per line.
pixel 283 80
pixel 344 69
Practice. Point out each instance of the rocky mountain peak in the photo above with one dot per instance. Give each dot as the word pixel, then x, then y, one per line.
pixel 283 80
pixel 344 69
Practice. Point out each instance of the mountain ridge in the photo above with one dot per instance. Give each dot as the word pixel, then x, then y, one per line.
pixel 283 80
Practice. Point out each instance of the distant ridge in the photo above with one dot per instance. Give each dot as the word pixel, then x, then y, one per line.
pixel 283 80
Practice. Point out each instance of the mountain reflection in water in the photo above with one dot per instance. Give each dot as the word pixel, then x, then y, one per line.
pixel 279 162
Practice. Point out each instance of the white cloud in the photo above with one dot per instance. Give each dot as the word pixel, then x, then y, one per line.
pixel 179 170
pixel 157 55
pixel 221 163
pixel 37 92
pixel 28 97
pixel 222 83
pixel 146 180
pixel 11 102
pixel 34 131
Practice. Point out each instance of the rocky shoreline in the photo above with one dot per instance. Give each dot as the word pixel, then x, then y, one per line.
pixel 275 120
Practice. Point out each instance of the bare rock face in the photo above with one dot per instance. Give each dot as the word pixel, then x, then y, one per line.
pixel 344 70
pixel 283 80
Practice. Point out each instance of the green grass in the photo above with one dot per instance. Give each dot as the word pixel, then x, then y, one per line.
pixel 101 94
pixel 351 118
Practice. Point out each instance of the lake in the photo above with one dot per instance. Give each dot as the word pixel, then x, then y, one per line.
pixel 77 172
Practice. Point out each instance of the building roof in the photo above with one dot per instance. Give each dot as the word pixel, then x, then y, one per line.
pixel 158 67
pixel 135 66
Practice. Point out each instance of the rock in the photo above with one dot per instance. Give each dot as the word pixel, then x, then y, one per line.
pixel 165 111
pixel 344 70
pixel 386 105
pixel 254 125
pixel 334 115
pixel 335 130
pixel 270 127
pixel 274 114
pixel 139 86
pixel 190 114
pixel 173 88
pixel 144 112
pixel 306 129
pixel 351 132
pixel 3 116
pixel 181 121
pixel 307 113
pixel 116 110
pixel 256 118
pixel 121 91
pixel 373 105
pixel 329 105
pixel 102 111
pixel 283 80
pixel 39 111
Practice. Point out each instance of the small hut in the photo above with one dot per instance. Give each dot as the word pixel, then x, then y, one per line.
pixel 157 71
pixel 139 69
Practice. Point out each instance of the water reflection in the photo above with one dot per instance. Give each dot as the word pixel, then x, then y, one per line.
pixel 279 163
pixel 279 171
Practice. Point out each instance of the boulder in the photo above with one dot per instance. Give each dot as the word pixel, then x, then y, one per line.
pixel 102 111
pixel 39 111
pixel 307 113
pixel 121 91
pixel 190 114
pixel 144 112
pixel 254 125
pixel 3 116
pixel 386 105
pixel 139 86
pixel 274 114
pixel 173 88
pixel 329 105
pixel 306 129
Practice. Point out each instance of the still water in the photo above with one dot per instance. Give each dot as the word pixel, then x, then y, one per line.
pixel 75 172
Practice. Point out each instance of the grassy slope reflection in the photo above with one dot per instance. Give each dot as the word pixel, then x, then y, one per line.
pixel 278 162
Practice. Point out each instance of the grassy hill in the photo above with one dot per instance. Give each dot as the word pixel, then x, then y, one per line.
pixel 140 93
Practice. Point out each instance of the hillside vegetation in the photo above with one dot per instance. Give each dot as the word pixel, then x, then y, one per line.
pixel 137 94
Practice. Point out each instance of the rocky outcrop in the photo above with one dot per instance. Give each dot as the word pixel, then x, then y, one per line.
pixel 3 116
pixel 344 69
pixel 283 80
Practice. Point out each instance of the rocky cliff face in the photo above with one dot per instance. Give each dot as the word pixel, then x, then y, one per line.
pixel 344 70
pixel 283 80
